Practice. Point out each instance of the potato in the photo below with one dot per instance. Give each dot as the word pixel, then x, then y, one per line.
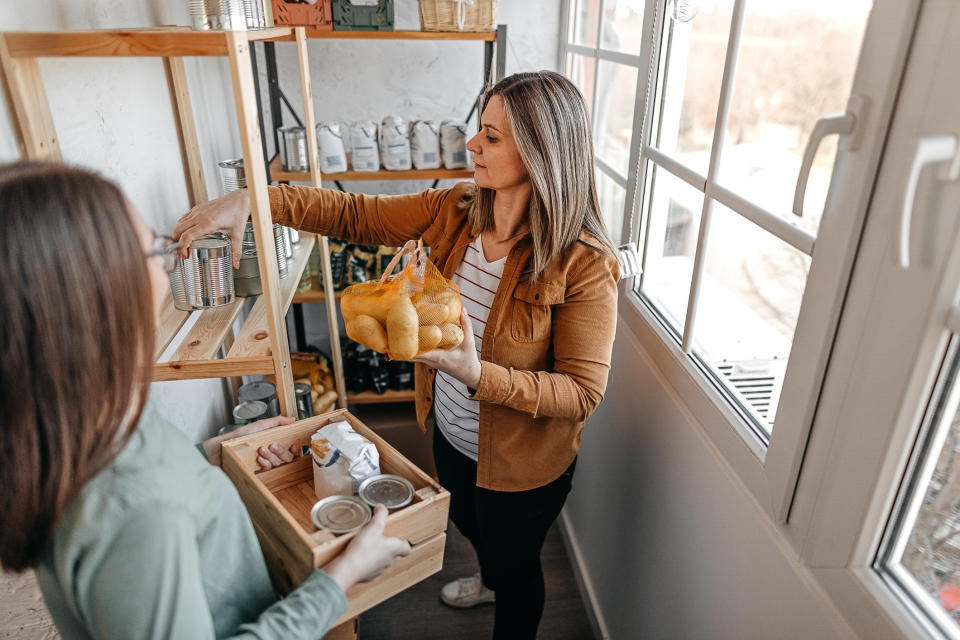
pixel 430 337
pixel 431 313
pixel 376 305
pixel 366 330
pixel 453 310
pixel 403 329
pixel 452 335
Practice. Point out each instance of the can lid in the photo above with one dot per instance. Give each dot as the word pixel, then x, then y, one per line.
pixel 340 514
pixel 249 411
pixel 387 489
pixel 301 389
pixel 231 164
pixel 261 390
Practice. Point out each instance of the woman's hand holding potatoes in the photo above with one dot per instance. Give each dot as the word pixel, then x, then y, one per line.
pixel 461 362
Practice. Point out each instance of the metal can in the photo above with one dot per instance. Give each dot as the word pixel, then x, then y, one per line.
pixel 204 279
pixel 263 391
pixel 287 245
pixel 278 241
pixel 304 400
pixel 246 278
pixel 293 149
pixel 247 412
pixel 340 514
pixel 387 489
pixel 232 175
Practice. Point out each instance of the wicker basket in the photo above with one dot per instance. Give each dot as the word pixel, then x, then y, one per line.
pixel 451 15
pixel 317 16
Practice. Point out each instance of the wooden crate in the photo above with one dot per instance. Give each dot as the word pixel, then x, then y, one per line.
pixel 279 503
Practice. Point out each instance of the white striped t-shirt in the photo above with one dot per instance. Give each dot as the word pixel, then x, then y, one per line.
pixel 457 416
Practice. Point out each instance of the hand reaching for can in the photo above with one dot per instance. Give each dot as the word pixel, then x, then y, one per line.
pixel 227 214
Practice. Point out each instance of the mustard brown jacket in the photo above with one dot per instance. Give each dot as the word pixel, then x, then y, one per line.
pixel 546 346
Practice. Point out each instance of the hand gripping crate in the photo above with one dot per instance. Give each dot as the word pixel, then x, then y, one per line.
pixel 363 15
pixel 279 503
pixel 318 15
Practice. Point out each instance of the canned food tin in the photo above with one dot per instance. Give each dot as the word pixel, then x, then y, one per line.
pixel 247 412
pixel 340 514
pixel 387 489
pixel 278 239
pixel 262 390
pixel 293 149
pixel 232 175
pixel 294 235
pixel 287 244
pixel 246 278
pixel 304 400
pixel 204 279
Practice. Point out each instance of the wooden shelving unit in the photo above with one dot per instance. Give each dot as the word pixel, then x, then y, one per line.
pixel 277 172
pixel 372 397
pixel 261 346
pixel 314 295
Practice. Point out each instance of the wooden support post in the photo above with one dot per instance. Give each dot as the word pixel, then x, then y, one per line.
pixel 309 121
pixel 186 130
pixel 243 92
pixel 28 106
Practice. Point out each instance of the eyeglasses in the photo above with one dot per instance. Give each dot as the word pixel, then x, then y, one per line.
pixel 166 248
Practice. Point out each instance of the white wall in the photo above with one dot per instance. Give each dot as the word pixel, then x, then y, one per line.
pixel 670 544
pixel 114 115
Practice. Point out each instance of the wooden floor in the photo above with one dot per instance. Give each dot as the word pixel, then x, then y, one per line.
pixel 416 614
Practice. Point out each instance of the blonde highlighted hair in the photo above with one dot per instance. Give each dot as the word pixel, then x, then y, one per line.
pixel 551 127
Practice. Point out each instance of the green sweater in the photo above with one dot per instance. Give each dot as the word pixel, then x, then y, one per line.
pixel 159 545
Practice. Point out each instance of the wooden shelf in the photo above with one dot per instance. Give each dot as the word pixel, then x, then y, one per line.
pixel 250 353
pixel 151 42
pixel 278 173
pixel 372 397
pixel 488 36
pixel 314 295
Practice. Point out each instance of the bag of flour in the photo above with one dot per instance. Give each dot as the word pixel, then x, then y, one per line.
pixel 363 146
pixel 395 143
pixel 425 144
pixel 333 157
pixel 453 144
pixel 342 459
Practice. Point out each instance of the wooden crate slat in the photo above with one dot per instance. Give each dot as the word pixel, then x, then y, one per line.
pixel 208 333
pixel 222 368
pixel 277 172
pixel 111 43
pixel 254 337
pixel 168 324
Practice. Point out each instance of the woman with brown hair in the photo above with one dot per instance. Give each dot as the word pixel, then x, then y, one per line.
pixel 131 532
pixel 538 278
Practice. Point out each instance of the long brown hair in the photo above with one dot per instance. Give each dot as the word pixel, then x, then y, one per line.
pixel 551 126
pixel 78 330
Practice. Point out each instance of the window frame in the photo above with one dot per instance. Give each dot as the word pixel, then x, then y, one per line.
pixel 770 472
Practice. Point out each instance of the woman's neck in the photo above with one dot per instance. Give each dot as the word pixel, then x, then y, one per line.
pixel 510 208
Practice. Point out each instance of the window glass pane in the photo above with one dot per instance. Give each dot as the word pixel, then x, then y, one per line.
pixel 796 64
pixel 690 78
pixel 612 200
pixel 622 25
pixel 616 92
pixel 928 545
pixel 674 219
pixel 582 72
pixel 585 15
pixel 747 311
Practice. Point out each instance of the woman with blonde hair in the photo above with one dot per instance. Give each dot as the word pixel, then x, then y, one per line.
pixel 132 533
pixel 527 246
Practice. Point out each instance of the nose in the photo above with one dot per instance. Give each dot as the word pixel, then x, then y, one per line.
pixel 473 144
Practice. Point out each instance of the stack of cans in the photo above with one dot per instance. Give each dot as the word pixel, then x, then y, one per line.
pixel 247 277
pixel 227 15
pixel 260 391
pixel 203 279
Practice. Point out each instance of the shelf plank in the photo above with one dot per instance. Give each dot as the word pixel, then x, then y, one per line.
pixel 277 172
pixel 314 295
pixel 207 334
pixel 162 42
pixel 254 337
pixel 328 34
pixel 168 324
pixel 372 397
pixel 222 368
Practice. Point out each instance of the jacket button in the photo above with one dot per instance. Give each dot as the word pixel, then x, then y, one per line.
pixel 536 296
pixel 428 398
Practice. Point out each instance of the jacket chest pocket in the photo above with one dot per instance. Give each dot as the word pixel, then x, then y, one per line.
pixel 530 315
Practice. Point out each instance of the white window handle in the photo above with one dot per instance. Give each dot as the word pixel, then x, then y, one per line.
pixel 838 123
pixel 930 150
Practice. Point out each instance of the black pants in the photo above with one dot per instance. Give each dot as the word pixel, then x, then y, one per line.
pixel 507 530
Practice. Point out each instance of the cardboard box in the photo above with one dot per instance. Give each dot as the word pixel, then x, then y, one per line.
pixel 279 503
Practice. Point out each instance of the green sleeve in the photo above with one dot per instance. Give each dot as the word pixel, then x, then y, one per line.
pixel 148 585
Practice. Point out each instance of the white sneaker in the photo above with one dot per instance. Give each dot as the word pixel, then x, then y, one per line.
pixel 466 592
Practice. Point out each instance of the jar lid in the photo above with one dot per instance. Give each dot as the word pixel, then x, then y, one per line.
pixel 387 489
pixel 340 514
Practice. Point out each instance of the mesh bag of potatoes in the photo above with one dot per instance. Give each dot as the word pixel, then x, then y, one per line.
pixel 407 313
